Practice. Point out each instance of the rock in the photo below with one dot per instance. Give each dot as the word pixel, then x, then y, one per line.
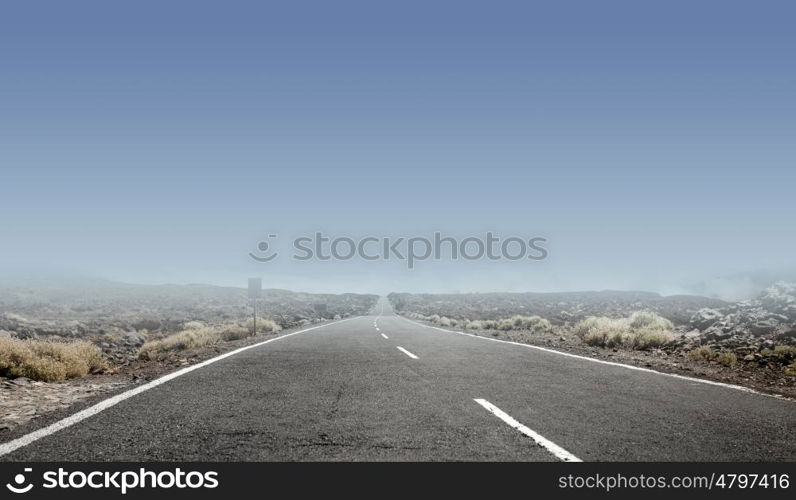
pixel 21 381
pixel 714 333
pixel 762 328
pixel 705 317
pixel 759 323
pixel 149 324
pixel 780 298
pixel 133 339
pixel 789 334
pixel 693 334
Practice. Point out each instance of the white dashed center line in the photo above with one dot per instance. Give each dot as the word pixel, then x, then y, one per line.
pixel 386 337
pixel 407 352
pixel 545 443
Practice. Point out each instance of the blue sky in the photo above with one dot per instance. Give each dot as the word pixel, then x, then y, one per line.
pixel 652 144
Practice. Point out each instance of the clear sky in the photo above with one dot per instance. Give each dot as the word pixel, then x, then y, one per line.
pixel 652 143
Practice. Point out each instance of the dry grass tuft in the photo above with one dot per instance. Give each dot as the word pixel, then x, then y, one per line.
pixel 728 359
pixel 263 325
pixel 703 353
pixel 534 324
pixel 706 354
pixel 518 322
pixel 49 361
pixel 197 335
pixel 186 339
pixel 641 331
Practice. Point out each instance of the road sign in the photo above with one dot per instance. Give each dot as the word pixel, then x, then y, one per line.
pixel 255 288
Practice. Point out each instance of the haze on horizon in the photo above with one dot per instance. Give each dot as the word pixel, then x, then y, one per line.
pixel 652 145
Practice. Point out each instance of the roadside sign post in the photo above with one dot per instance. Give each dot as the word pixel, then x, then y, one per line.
pixel 255 291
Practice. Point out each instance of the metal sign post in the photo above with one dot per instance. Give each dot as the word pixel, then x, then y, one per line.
pixel 255 291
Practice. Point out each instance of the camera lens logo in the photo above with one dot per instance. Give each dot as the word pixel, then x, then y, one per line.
pixel 263 247
pixel 19 481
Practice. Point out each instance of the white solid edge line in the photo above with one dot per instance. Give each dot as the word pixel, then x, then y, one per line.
pixel 612 363
pixel 407 352
pixel 386 337
pixel 545 443
pixel 27 439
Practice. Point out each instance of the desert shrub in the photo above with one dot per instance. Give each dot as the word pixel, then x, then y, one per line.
pixel 650 320
pixel 518 322
pixel 649 338
pixel 187 339
pixel 790 370
pixel 441 320
pixel 194 337
pixel 483 324
pixel 642 330
pixel 602 331
pixel 782 352
pixel 49 361
pixel 193 325
pixel 534 323
pixel 237 332
pixel 505 324
pixel 727 359
pixel 263 325
pixel 703 353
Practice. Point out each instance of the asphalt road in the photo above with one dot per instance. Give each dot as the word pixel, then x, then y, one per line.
pixel 345 392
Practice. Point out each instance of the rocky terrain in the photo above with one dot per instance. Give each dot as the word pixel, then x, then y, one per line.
pixel 750 343
pixel 558 308
pixel 120 318
pixel 771 317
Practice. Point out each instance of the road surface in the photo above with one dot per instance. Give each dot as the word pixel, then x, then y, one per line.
pixel 381 387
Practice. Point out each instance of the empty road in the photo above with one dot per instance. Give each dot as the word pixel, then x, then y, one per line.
pixel 381 387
